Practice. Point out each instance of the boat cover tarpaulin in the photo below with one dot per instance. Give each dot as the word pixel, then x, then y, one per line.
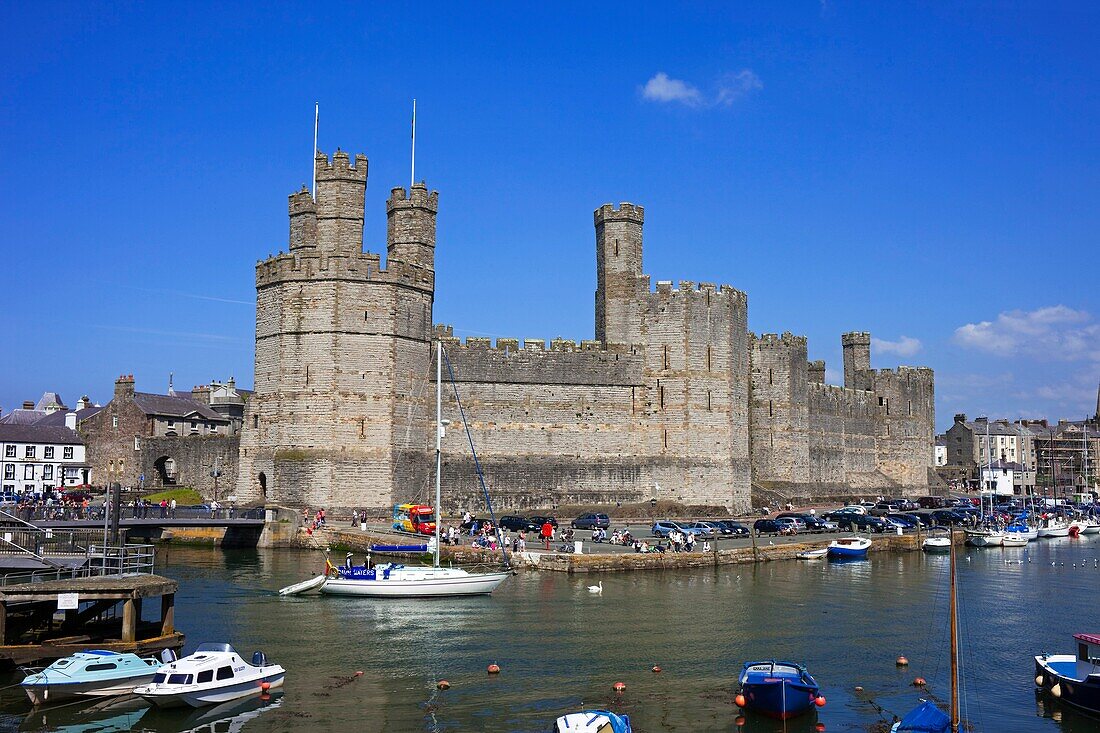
pixel 1088 638
pixel 925 718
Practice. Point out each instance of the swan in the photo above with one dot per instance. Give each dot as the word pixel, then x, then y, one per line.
pixel 598 588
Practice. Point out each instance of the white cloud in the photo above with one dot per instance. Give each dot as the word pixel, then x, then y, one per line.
pixel 904 346
pixel 736 85
pixel 662 88
pixel 730 87
pixel 1054 332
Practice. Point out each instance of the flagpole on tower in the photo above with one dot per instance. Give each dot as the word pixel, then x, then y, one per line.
pixel 313 162
pixel 412 176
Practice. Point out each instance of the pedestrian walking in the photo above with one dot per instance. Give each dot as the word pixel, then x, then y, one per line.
pixel 547 532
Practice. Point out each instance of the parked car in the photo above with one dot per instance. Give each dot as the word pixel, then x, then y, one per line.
pixel 538 520
pixel 851 521
pixel 932 502
pixel 734 528
pixel 784 525
pixel 663 527
pixel 701 529
pixel 949 517
pixel 810 522
pixel 843 513
pixel 719 528
pixel 514 523
pixel 908 520
pixel 592 520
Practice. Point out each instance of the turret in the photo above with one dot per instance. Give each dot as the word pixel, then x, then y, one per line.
pixel 816 371
pixel 303 221
pixel 410 226
pixel 618 270
pixel 857 359
pixel 341 188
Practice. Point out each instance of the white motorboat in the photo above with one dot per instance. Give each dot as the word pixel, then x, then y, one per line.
pixel 984 538
pixel 936 544
pixel 813 554
pixel 88 674
pixel 214 674
pixel 1091 527
pixel 592 721
pixel 1015 539
pixel 1054 529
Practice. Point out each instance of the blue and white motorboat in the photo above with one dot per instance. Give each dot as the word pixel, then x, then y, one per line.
pixel 778 689
pixel 848 548
pixel 593 721
pixel 214 674
pixel 1074 679
pixel 94 673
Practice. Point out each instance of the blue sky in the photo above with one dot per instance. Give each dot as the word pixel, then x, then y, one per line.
pixel 929 173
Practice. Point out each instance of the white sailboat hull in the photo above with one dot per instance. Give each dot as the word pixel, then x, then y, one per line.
pixel 1091 528
pixel 984 539
pixel 1016 539
pixel 1058 531
pixel 418 583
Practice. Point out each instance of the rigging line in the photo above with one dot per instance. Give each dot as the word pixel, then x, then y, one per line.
pixel 477 463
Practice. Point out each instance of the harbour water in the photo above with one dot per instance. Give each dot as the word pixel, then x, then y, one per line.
pixel 561 647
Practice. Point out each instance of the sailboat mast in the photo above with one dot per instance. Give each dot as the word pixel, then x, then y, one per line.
pixel 954 643
pixel 438 441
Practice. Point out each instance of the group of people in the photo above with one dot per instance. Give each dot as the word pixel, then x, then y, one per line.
pixel 29 508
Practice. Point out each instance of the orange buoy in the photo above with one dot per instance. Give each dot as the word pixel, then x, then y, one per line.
pixel 902 661
pixel 819 701
pixel 443 685
pixel 919 682
pixel 359 673
pixel 740 720
pixel 494 669
pixel 820 728
pixel 265 686
pixel 618 687
pixel 656 669
pixel 740 700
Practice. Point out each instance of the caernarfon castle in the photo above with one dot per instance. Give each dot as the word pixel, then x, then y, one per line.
pixel 674 398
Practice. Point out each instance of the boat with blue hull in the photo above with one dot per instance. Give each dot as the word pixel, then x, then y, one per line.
pixel 849 548
pixel 778 689
pixel 94 673
pixel 1073 678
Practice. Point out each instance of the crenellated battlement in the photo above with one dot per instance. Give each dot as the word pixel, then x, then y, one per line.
pixel 340 167
pixel 689 289
pixel 772 340
pixel 418 197
pixel 530 345
pixel 624 212
pixel 301 202
pixel 355 267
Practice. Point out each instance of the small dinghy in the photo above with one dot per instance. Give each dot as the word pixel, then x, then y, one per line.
pixel 777 689
pixel 813 554
pixel 214 674
pixel 936 545
pixel 847 548
pixel 304 587
pixel 92 673
pixel 593 721
pixel 1073 678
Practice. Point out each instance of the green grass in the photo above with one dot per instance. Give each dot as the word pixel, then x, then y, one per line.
pixel 183 497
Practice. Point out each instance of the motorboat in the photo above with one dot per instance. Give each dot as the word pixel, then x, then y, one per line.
pixel 1091 527
pixel 214 674
pixel 849 547
pixel 777 689
pixel 394 580
pixel 593 721
pixel 815 554
pixel 984 537
pixel 1073 678
pixel 936 544
pixel 1054 528
pixel 94 673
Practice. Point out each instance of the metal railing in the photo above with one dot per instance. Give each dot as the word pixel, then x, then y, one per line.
pixel 95 513
pixel 99 561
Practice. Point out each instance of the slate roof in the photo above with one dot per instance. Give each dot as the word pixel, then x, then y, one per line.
pixel 38 434
pixel 1006 465
pixel 174 406
pixel 58 418
pixel 49 398
pixel 22 417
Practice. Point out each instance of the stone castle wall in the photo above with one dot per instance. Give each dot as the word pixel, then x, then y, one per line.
pixel 675 399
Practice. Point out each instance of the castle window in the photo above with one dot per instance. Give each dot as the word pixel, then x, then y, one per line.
pixel 770 380
pixel 708 401
pixel 771 408
pixel 661 396
pixel 664 438
pixel 910 404
pixel 366 315
pixel 708 348
pixel 616 248
pixel 255 421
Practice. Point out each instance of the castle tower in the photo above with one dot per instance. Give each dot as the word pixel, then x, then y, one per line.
pixel 618 272
pixel 857 359
pixel 303 221
pixel 341 189
pixel 410 226
pixel 817 371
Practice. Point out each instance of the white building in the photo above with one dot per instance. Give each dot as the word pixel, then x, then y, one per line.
pixel 940 452
pixel 1005 478
pixel 34 458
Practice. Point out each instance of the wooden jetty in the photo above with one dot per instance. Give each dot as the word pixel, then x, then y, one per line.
pixel 107 616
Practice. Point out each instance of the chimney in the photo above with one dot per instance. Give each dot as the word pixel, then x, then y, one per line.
pixel 960 417
pixel 83 403
pixel 70 420
pixel 28 405
pixel 124 386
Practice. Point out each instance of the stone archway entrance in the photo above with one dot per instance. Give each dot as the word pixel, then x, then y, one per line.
pixel 166 470
pixel 263 484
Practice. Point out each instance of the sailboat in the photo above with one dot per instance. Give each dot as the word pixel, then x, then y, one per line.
pixel 927 717
pixel 394 580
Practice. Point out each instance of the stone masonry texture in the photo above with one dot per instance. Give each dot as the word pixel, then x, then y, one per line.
pixel 674 399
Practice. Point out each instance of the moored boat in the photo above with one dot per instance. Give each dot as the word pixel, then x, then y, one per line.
pixel 849 547
pixel 1091 527
pixel 93 673
pixel 778 689
pixel 1074 679
pixel 936 544
pixel 392 580
pixel 1015 539
pixel 1054 529
pixel 593 721
pixel 984 537
pixel 815 554
pixel 214 674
